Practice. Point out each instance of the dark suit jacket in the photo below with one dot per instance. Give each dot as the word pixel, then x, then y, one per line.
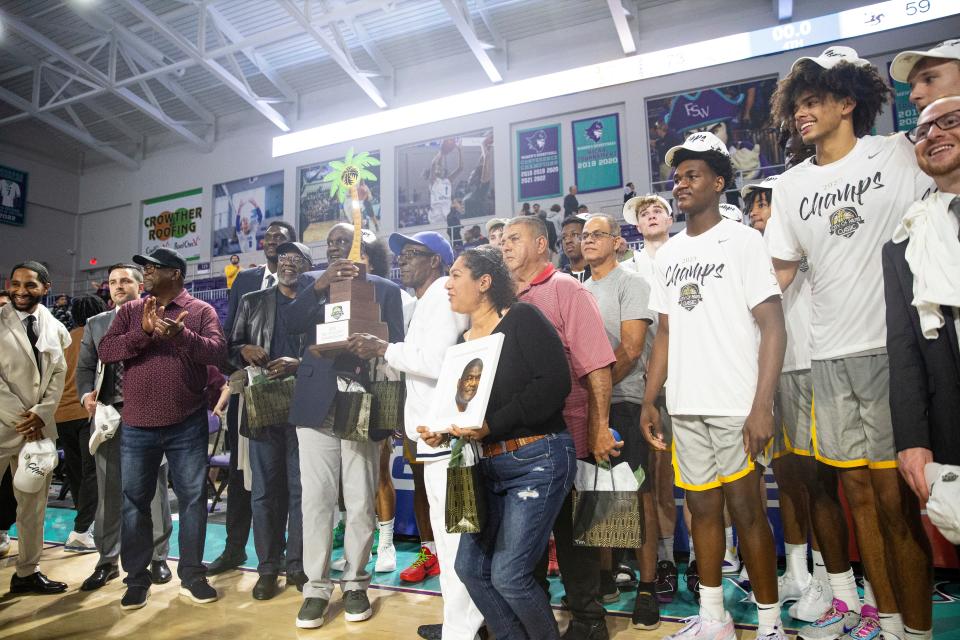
pixel 924 374
pixel 254 324
pixel 317 377
pixel 247 280
pixel 88 360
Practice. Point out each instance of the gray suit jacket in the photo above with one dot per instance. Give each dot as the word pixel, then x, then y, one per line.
pixel 22 387
pixel 88 361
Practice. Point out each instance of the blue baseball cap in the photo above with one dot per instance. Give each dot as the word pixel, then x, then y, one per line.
pixel 429 239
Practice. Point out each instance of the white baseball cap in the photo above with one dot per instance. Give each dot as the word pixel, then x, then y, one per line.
pixel 36 462
pixel 833 56
pixel 903 64
pixel 492 222
pixel 943 507
pixel 631 206
pixel 766 183
pixel 700 142
pixel 731 212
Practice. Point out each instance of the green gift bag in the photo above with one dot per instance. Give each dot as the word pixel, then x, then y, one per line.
pixel 465 510
pixel 266 404
pixel 607 519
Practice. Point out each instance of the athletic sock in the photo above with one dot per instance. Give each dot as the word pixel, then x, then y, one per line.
pixel 711 603
pixel 728 535
pixel 431 546
pixel 869 600
pixel 693 552
pixel 665 549
pixel 916 634
pixel 819 568
pixel 844 587
pixel 768 617
pixel 386 533
pixel 797 561
pixel 892 624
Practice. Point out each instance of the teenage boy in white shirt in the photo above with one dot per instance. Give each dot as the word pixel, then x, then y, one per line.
pixel 722 333
pixel 931 74
pixel 838 208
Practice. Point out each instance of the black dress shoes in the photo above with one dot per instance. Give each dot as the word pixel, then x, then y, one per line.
pixel 36 583
pixel 226 562
pixel 159 572
pixel 100 576
pixel 297 579
pixel 266 588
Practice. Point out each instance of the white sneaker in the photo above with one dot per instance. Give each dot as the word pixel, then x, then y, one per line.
pixel 776 634
pixel 731 562
pixel 339 564
pixel 4 543
pixel 386 559
pixel 697 628
pixel 836 622
pixel 80 543
pixel 813 603
pixel 790 589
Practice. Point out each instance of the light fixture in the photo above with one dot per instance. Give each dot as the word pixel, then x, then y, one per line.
pixel 868 19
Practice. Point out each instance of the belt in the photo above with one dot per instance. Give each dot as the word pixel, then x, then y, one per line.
pixel 506 446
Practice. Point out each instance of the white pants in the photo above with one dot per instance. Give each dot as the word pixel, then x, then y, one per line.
pixel 461 618
pixel 31 509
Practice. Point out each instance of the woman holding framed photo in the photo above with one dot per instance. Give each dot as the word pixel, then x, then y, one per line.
pixel 529 458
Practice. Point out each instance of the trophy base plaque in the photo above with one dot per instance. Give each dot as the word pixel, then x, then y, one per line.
pixel 352 308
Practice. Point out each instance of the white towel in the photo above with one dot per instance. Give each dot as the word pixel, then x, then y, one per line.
pixel 52 336
pixel 933 256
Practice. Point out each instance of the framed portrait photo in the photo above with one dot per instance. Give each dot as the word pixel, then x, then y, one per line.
pixel 463 388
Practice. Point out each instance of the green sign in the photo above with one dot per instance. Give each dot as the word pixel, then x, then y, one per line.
pixel 596 153
pixel 905 113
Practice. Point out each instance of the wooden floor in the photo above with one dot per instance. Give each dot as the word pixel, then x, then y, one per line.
pixel 95 615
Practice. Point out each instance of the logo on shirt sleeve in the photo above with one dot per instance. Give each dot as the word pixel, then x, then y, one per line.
pixel 804 264
pixel 689 296
pixel 845 222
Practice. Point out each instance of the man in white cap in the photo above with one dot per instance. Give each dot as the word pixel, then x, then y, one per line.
pixel 32 371
pixel 837 209
pixel 931 74
pixel 721 332
pixel 495 230
pixel 922 292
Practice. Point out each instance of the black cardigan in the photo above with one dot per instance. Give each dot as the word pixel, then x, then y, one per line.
pixel 533 377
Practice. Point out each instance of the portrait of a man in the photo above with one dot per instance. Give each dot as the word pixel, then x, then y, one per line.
pixel 468 383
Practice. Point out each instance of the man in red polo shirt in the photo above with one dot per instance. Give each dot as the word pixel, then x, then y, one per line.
pixel 574 313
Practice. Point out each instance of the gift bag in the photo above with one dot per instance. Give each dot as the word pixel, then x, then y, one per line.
pixel 389 391
pixel 351 411
pixel 604 516
pixel 466 505
pixel 267 403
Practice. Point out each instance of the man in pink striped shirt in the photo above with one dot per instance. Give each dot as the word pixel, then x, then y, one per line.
pixel 574 313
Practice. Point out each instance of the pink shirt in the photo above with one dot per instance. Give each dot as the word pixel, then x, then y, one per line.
pixel 573 311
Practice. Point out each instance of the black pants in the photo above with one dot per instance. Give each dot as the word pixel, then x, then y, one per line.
pixel 238 498
pixel 8 504
pixel 579 568
pixel 81 470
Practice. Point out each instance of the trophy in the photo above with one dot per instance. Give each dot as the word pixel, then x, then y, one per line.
pixel 352 306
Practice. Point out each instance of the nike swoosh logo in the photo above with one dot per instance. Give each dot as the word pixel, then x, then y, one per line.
pixel 724 240
pixel 874 155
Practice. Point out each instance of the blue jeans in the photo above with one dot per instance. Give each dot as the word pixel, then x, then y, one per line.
pixel 275 459
pixel 525 490
pixel 141 451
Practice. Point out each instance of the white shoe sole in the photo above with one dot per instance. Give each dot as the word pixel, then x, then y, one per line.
pixel 187 594
pixel 310 624
pixel 358 617
pixel 78 550
pixel 134 607
pixel 385 567
pixel 645 627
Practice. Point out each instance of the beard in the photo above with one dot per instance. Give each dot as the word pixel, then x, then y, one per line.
pixel 940 167
pixel 33 301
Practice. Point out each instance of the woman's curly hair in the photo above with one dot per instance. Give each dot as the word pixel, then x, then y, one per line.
pixel 861 83
pixel 488 260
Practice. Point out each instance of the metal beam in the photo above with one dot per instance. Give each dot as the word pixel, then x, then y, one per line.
pixel 227 29
pixel 101 79
pixel 68 129
pixel 339 56
pixel 619 15
pixel 385 66
pixel 187 47
pixel 461 19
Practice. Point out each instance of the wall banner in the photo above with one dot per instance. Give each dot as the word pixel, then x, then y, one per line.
pixel 176 221
pixel 242 211
pixel 596 153
pixel 905 113
pixel 13 196
pixel 538 163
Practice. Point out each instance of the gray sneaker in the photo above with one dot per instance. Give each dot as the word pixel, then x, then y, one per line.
pixel 356 606
pixel 311 613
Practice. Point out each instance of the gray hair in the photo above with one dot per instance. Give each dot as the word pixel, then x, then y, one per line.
pixel 534 223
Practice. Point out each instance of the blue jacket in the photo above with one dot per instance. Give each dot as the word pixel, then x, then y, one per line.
pixel 317 377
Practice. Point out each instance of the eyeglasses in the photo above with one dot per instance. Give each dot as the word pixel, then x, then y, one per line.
pixel 410 254
pixel 291 258
pixel 150 267
pixel 596 236
pixel 945 122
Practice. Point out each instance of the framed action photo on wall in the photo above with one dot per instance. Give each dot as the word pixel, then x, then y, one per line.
pixel 463 388
pixel 13 196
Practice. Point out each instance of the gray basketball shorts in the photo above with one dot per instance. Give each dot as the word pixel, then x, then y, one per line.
pixel 708 451
pixel 795 399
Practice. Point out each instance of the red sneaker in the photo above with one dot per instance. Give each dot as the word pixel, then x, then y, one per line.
pixel 553 567
pixel 423 567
